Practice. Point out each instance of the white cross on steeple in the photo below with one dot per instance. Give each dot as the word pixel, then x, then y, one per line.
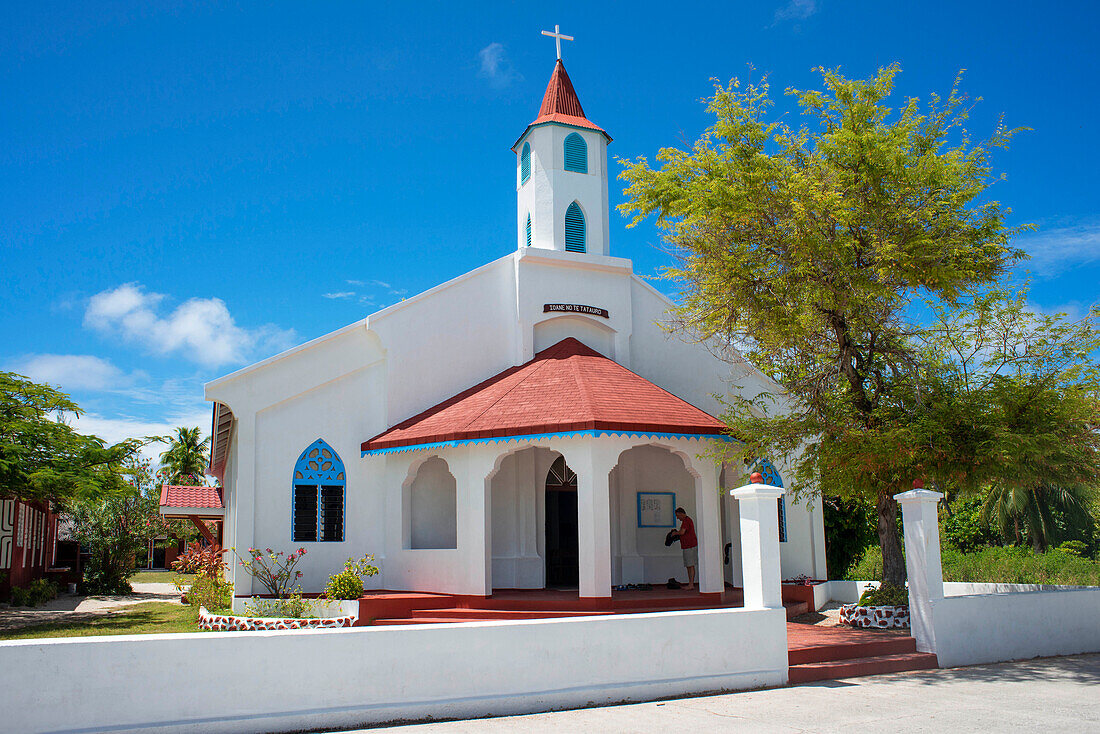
pixel 558 38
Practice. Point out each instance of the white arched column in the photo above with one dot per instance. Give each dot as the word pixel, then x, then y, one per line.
pixel 592 461
pixel 475 527
pixel 708 528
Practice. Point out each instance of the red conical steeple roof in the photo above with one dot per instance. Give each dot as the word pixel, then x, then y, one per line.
pixel 560 104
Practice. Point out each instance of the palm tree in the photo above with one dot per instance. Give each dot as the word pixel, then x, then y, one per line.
pixel 1034 512
pixel 186 457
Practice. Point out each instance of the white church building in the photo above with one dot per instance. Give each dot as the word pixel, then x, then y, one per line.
pixel 527 425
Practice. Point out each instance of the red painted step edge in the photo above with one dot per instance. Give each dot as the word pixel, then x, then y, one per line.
pixel 895 645
pixel 854 668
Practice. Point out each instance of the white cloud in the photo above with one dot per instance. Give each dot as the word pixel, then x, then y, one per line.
pixel 355 282
pixel 796 10
pixel 71 371
pixel 199 329
pixel 114 430
pixel 340 294
pixel 1055 249
pixel 496 67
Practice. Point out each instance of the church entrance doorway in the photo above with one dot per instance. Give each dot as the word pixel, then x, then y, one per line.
pixel 561 526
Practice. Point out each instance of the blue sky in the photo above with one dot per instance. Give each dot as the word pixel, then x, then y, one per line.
pixel 186 188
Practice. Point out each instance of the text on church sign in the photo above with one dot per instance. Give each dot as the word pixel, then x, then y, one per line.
pixel 575 308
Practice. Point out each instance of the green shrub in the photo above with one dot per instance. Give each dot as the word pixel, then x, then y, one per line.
pixel 964 528
pixel 1003 565
pixel 38 592
pixel 215 594
pixel 850 528
pixel 348 584
pixel 344 585
pixel 1073 548
pixel 886 595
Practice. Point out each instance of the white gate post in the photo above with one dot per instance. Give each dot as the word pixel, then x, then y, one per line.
pixel 922 560
pixel 758 503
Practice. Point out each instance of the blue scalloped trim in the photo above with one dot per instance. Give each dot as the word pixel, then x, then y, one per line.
pixel 537 436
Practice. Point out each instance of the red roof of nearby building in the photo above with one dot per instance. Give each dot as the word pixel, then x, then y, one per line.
pixel 567 387
pixel 560 104
pixel 174 495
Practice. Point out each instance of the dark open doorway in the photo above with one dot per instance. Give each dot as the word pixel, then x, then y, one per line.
pixel 561 526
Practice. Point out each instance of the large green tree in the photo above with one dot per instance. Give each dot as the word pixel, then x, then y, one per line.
pixel 185 460
pixel 804 248
pixel 1017 415
pixel 42 456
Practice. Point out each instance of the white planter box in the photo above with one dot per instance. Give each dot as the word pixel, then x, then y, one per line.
pixel 323 608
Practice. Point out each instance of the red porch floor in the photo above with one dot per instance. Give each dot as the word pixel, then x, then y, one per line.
pixel 410 607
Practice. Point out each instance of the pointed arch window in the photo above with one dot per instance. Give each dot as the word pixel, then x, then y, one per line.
pixel 528 230
pixel 317 512
pixel 574 229
pixel 525 163
pixel 576 154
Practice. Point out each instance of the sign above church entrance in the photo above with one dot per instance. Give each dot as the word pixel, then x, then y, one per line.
pixel 575 308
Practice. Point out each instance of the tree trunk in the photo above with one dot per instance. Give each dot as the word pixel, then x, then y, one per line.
pixel 893 560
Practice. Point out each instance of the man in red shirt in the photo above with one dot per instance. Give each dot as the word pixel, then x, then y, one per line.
pixel 689 545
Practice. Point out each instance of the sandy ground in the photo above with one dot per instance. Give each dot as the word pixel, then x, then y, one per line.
pixel 827 616
pixel 71 607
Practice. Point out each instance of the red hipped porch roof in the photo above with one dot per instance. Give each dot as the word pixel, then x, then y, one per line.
pixel 566 387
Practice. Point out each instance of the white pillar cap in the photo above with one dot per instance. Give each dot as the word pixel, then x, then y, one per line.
pixel 918 495
pixel 757 491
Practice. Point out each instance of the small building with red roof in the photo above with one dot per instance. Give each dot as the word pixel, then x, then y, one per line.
pixel 529 424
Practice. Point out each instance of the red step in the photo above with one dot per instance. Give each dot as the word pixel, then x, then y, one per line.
pixel 464 615
pixel 887 645
pixel 393 604
pixel 855 667
pixel 428 620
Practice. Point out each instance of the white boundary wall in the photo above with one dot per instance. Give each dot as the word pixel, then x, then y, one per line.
pixel 307 679
pixel 999 622
pixel 985 628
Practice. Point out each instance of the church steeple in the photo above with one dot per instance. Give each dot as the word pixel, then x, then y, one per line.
pixel 561 174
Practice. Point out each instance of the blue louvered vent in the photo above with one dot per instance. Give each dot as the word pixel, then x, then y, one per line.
pixel 576 154
pixel 528 230
pixel 574 228
pixel 525 163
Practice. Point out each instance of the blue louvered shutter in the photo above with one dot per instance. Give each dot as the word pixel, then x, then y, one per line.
pixel 576 154
pixel 528 230
pixel 574 228
pixel 525 163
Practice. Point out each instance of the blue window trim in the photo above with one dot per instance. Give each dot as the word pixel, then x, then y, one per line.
pixel 528 229
pixel 525 163
pixel 316 476
pixel 571 244
pixel 575 151
pixel 670 494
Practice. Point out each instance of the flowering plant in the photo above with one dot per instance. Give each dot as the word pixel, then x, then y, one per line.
pixel 205 561
pixel 275 570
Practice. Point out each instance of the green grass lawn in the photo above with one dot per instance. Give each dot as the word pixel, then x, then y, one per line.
pixel 140 619
pixel 159 577
pixel 1007 565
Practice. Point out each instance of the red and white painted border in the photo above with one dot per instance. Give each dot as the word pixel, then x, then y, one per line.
pixel 230 623
pixel 883 618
